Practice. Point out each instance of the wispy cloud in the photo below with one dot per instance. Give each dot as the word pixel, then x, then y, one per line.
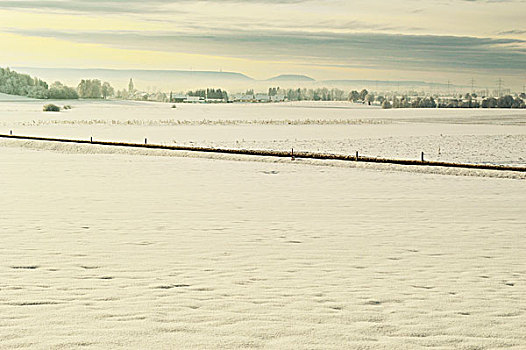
pixel 512 32
pixel 348 49
pixel 119 6
pixel 413 35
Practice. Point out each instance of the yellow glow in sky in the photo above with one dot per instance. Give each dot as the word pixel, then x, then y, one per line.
pixel 334 39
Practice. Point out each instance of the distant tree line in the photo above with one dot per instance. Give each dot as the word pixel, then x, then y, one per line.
pixel 466 101
pixel 216 94
pixel 320 94
pixel 299 94
pixel 95 89
pixel 507 101
pixel 418 102
pixel 61 92
pixel 14 83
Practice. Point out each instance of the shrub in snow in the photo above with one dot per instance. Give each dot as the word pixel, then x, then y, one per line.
pixel 51 108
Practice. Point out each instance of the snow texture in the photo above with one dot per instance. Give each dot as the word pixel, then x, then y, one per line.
pixel 119 248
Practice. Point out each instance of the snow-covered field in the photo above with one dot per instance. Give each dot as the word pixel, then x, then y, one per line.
pixel 117 248
pixel 453 135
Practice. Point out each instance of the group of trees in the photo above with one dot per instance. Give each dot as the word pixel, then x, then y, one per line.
pixel 95 89
pixel 463 101
pixel 507 101
pixel 365 96
pixel 320 94
pixel 356 96
pixel 405 102
pixel 216 94
pixel 14 83
pixel 273 91
pixel 58 91
pixel 466 101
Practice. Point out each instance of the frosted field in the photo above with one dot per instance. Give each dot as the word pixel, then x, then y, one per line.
pixel 119 248
pixel 454 135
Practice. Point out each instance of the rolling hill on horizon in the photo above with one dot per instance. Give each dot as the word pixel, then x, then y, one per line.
pixel 143 79
pixel 181 80
pixel 292 77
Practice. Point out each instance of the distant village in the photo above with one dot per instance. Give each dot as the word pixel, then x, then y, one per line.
pixel 246 98
pixel 222 96
pixel 14 83
pixel 410 99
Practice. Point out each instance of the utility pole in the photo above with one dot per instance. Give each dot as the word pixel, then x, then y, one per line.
pixel 500 86
pixel 472 85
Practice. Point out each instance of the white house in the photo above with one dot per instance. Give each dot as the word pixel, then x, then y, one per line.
pixel 241 98
pixel 278 98
pixel 262 98
pixel 194 99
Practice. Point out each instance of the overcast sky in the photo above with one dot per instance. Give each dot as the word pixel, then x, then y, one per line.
pixel 431 40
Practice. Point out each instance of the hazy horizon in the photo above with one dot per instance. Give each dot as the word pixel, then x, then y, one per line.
pixel 374 40
pixel 181 80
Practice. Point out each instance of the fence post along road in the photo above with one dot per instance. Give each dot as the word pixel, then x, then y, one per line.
pixel 282 154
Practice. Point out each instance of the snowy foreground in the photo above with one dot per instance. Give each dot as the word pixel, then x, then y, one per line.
pixel 132 249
